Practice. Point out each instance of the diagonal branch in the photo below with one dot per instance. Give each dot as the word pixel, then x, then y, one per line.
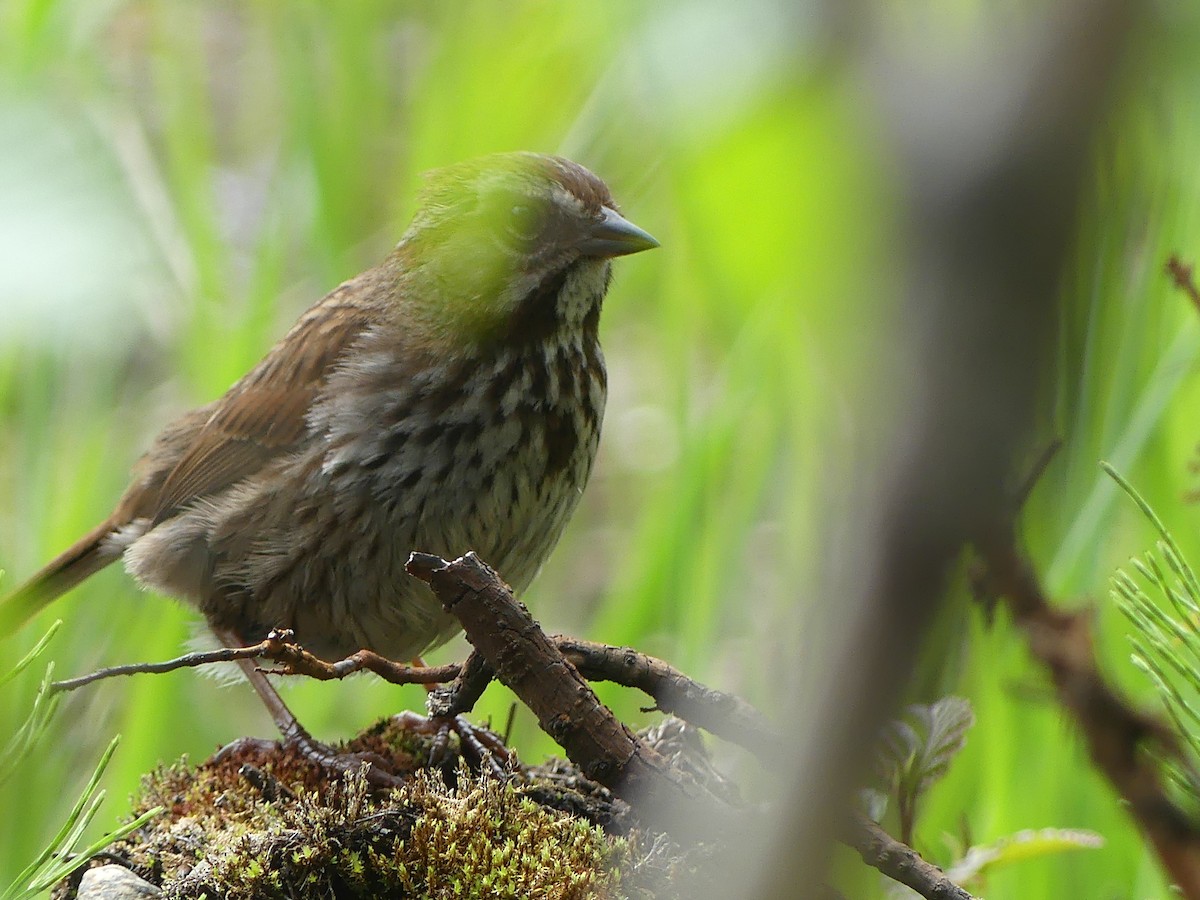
pixel 532 666
pixel 899 861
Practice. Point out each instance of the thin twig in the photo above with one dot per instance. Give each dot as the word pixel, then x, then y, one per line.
pixel 1182 275
pixel 1040 465
pixel 900 862
pixel 187 661
pixel 280 647
pixel 722 714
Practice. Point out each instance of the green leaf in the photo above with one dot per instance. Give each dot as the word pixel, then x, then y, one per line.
pixel 915 752
pixel 918 752
pixel 946 723
pixel 33 654
pixel 1023 845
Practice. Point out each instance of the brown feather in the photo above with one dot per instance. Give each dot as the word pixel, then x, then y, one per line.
pixel 209 448
pixel 263 416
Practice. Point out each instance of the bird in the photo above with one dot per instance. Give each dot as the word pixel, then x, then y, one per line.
pixel 448 399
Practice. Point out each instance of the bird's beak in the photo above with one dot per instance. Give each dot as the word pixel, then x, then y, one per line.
pixel 614 235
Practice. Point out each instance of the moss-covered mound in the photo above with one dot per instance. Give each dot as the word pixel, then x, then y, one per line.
pixel 264 823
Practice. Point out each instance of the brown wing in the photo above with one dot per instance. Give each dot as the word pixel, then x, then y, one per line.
pixel 263 416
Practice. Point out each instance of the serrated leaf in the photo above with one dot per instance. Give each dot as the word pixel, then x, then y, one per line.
pixel 1029 844
pixel 898 746
pixel 947 722
pixel 916 751
pixel 919 754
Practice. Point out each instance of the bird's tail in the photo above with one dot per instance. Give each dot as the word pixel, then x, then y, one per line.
pixel 83 558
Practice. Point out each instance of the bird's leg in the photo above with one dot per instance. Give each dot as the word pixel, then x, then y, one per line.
pixel 480 744
pixel 295 736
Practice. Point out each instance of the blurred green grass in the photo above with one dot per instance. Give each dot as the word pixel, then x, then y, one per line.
pixel 181 180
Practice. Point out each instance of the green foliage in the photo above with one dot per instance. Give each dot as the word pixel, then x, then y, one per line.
pixel 22 742
pixel 974 865
pixel 1166 645
pixel 916 752
pixel 62 855
pixel 181 179
pixel 192 176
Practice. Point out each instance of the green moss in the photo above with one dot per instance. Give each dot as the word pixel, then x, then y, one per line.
pixel 484 839
pixel 262 823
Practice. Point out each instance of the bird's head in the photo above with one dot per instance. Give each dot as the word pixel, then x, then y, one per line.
pixel 508 245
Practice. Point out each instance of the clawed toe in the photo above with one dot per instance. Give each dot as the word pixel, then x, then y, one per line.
pixel 481 747
pixel 374 767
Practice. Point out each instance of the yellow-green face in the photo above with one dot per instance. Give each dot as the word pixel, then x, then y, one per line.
pixel 492 233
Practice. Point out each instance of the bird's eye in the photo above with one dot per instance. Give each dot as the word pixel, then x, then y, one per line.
pixel 513 216
pixel 523 221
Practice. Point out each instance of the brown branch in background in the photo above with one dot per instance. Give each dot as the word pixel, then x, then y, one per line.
pixel 1116 734
pixel 530 664
pixel 1181 273
pixel 899 861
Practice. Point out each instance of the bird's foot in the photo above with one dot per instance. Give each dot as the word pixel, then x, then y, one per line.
pixel 481 747
pixel 374 767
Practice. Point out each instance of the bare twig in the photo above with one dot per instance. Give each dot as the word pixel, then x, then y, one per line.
pixel 461 695
pixel 1182 274
pixel 1051 450
pixel 900 862
pixel 724 715
pixel 187 661
pixel 280 647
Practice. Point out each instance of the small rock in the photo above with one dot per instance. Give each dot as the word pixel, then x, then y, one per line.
pixel 113 882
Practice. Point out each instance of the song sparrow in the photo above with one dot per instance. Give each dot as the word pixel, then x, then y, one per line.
pixel 447 400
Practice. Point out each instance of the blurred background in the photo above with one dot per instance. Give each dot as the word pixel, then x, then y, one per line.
pixel 178 181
